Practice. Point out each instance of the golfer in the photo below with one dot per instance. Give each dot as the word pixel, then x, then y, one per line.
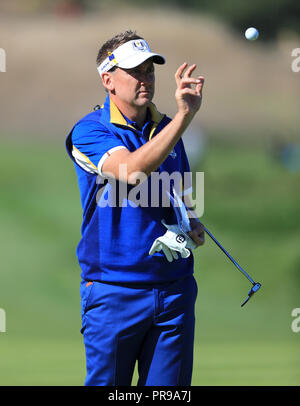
pixel 137 286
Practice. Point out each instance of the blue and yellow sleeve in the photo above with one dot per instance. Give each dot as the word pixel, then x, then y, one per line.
pixel 92 143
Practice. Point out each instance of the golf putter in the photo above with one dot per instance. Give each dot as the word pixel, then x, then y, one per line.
pixel 184 224
pixel 256 285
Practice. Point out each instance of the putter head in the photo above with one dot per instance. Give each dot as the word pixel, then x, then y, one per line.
pixel 251 292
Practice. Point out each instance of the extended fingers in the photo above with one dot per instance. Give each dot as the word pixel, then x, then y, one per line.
pixel 190 70
pixel 179 72
pixel 183 78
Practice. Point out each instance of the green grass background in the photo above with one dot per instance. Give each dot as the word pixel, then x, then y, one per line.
pixel 251 206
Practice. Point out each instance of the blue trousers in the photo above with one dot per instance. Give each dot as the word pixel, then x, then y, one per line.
pixel 153 325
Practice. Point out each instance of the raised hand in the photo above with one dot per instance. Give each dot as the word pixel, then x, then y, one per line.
pixel 188 98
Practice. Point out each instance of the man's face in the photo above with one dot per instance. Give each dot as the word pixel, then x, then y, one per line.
pixel 135 86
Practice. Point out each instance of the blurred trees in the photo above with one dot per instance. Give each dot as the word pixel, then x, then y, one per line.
pixel 269 16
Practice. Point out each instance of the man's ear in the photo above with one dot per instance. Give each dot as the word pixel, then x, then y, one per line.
pixel 108 81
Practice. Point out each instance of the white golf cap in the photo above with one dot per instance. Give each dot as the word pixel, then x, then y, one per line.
pixel 130 55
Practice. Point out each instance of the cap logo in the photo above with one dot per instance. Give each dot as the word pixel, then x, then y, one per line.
pixel 139 45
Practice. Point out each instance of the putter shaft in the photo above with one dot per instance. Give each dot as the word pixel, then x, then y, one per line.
pixel 229 256
pixel 256 285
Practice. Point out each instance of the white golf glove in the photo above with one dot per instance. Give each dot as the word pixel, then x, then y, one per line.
pixel 172 242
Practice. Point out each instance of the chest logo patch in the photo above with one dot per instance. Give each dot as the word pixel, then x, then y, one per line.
pixel 173 154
